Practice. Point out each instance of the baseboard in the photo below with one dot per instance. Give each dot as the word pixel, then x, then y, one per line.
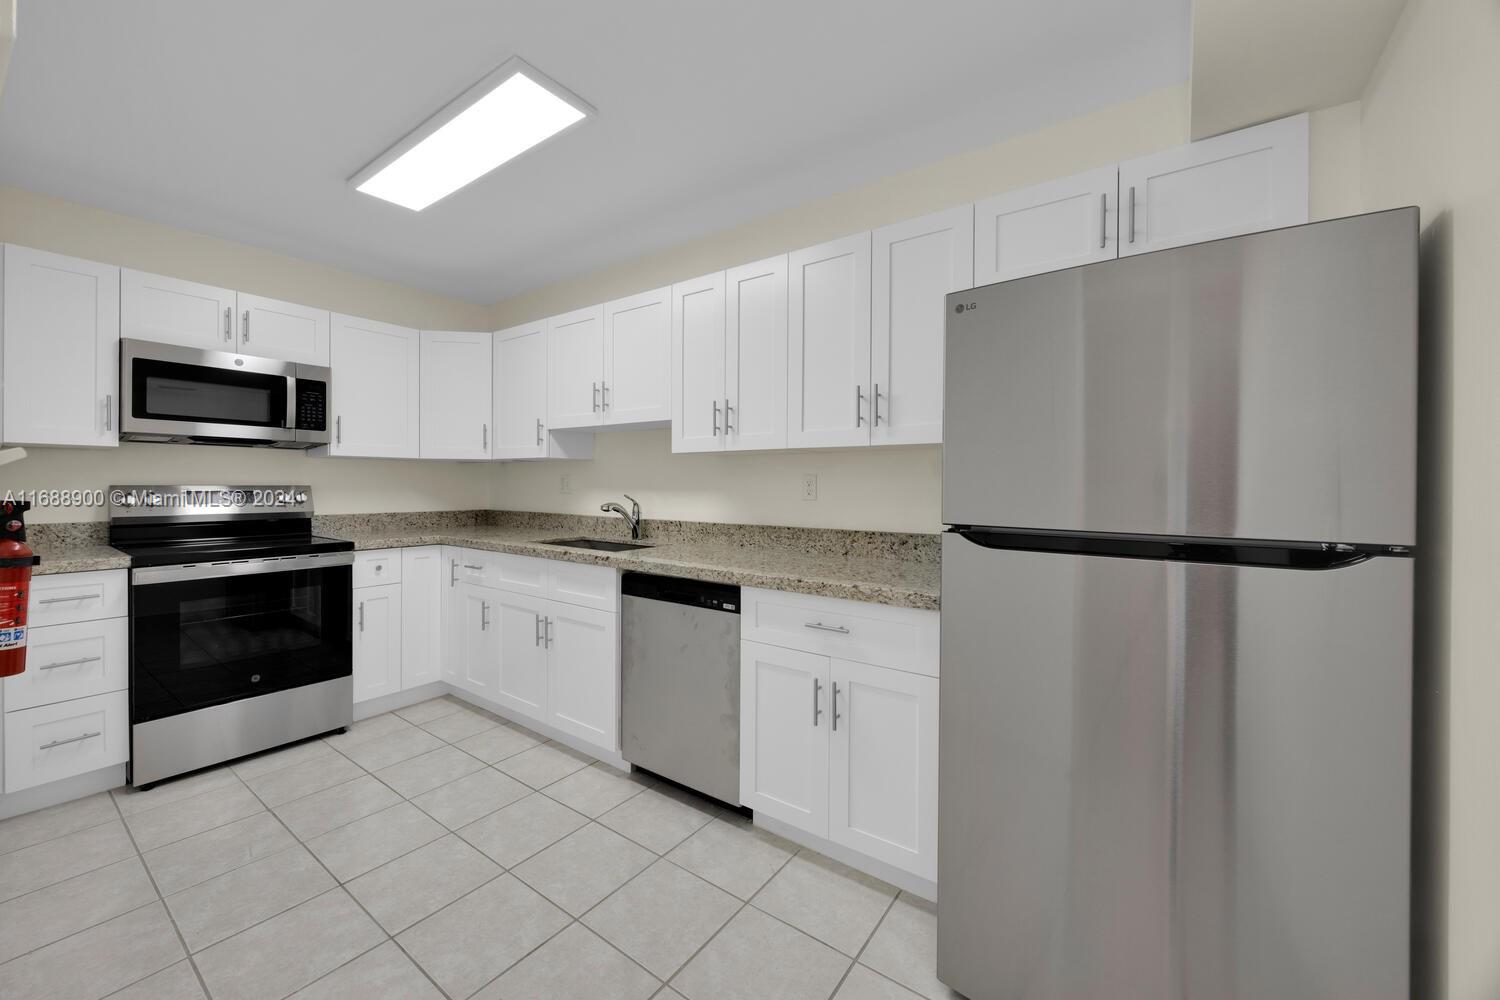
pixel 900 878
pixel 609 757
pixel 399 699
pixel 64 790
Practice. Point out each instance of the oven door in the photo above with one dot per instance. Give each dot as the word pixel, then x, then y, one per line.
pixel 209 634
pixel 185 392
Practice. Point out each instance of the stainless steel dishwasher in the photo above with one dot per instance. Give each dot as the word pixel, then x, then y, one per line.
pixel 680 681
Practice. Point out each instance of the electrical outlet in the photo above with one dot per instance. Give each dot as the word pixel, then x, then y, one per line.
pixel 809 486
pixel 565 484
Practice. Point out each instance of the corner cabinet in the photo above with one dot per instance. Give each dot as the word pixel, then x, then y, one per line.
pixel 60 330
pixel 456 403
pixel 398 620
pixel 376 404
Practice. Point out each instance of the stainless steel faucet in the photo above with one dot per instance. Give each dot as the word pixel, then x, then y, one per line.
pixel 632 516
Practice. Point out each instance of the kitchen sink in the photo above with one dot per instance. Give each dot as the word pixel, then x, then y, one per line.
pixel 601 544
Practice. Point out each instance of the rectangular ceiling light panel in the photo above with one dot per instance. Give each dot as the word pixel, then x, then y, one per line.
pixel 502 116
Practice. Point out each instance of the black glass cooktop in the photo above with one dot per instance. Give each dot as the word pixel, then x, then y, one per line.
pixel 167 552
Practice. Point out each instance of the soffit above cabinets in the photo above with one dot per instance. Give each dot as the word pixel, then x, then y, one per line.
pixel 245 121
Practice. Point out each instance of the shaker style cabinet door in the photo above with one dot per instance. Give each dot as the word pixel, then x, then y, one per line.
pixel 474 628
pixel 520 623
pixel 583 692
pixel 375 390
pixel 60 330
pixel 575 343
pixel 455 395
pixel 784 733
pixel 173 311
pixel 828 338
pixel 916 264
pixel 270 328
pixel 1231 184
pixel 1047 227
pixel 377 641
pixel 521 392
pixel 698 364
pixel 636 386
pixel 755 355
pixel 422 593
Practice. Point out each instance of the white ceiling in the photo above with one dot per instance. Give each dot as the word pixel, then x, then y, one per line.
pixel 245 120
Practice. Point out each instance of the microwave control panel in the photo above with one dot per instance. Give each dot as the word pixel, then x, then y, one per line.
pixel 312 405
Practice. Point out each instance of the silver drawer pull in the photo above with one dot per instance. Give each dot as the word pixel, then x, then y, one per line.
pixel 71 663
pixel 473 567
pixel 841 630
pixel 65 600
pixel 70 739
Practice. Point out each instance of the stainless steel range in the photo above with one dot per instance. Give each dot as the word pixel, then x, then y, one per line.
pixel 239 623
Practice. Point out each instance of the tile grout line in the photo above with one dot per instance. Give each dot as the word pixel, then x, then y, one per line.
pixel 868 938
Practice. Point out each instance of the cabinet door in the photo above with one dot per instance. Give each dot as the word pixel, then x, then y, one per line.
pixel 883 764
pixel 638 359
pixel 270 328
pixel 455 395
pixel 376 383
pixel 784 735
pixel 520 625
pixel 421 616
pixel 377 641
pixel 476 630
pixel 828 339
pixel 698 364
pixel 575 345
pixel 521 392
pixel 173 311
pixel 755 355
pixel 1242 182
pixel 583 666
pixel 1058 224
pixel 61 336
pixel 916 264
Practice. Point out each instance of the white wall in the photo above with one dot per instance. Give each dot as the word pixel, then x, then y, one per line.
pixel 1430 139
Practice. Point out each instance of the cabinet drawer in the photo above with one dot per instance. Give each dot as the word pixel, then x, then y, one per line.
pixel 70 738
pixel 519 574
pixel 376 567
pixel 903 638
pixel 584 585
pixel 60 598
pixel 64 662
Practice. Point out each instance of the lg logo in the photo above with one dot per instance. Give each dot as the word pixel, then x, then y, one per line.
pixel 963 307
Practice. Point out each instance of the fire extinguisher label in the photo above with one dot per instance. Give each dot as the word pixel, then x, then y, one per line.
pixel 10 638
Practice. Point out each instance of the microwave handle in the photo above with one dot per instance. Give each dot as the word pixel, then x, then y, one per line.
pixel 291 402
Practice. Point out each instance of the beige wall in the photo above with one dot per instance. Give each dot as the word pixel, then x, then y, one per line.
pixel 1429 139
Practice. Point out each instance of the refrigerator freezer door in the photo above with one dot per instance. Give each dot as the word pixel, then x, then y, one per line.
pixel 1261 387
pixel 1172 780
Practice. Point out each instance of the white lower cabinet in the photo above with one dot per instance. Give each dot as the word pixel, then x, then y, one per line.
pixel 473 661
pixel 398 620
pixel 421 616
pixel 377 641
pixel 65 739
pixel 841 749
pixel 523 654
pixel 583 677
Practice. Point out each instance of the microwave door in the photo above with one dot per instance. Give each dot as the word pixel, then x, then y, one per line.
pixel 178 392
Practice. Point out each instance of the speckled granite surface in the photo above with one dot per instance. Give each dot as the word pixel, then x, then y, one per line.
pixel 73 547
pixel 881 567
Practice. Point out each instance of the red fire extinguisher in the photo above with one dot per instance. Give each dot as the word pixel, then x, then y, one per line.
pixel 16 561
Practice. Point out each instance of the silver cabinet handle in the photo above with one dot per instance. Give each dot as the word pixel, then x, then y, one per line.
pixel 477 569
pixel 64 600
pixel 547 630
pixel 859 405
pixel 484 436
pixel 452 572
pixel 361 616
pixel 1103 215
pixel 484 616
pixel 338 429
pixel 538 637
pixel 875 405
pixel 596 395
pixel 71 663
pixel 109 412
pixel 835 706
pixel 539 431
pixel 841 630
pixel 245 327
pixel 727 428
pixel 604 394
pixel 716 418
pixel 70 739
pixel 228 314
pixel 817 708
pixel 1131 228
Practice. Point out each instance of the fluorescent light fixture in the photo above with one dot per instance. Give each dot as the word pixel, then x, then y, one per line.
pixel 499 118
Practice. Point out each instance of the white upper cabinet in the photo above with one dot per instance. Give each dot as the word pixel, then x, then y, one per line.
pixel 828 340
pixel 376 384
pixel 60 329
pixel 270 328
pixel 575 344
pixel 635 387
pixel 521 392
pixel 915 265
pixel 755 355
pixel 1050 226
pixel 698 364
pixel 174 311
pixel 456 410
pixel 1242 182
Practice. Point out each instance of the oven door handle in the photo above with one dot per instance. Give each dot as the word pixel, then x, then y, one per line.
pixel 149 575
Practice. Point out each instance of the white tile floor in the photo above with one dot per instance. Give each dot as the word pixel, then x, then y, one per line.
pixel 438 852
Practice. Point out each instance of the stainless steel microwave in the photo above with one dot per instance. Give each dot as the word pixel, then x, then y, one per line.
pixel 184 395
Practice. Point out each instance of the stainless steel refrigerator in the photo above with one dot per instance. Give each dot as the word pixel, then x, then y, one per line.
pixel 1177 623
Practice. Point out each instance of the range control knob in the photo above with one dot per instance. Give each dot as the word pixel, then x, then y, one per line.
pixel 301 497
